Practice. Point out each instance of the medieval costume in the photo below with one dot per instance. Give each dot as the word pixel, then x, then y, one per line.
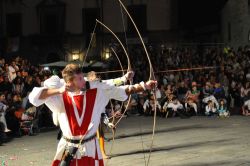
pixel 79 117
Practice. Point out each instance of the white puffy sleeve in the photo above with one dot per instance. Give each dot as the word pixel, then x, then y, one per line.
pixel 54 103
pixel 34 96
pixel 116 82
pixel 110 91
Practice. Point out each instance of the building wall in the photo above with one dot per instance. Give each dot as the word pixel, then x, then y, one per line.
pixel 237 14
pixel 158 14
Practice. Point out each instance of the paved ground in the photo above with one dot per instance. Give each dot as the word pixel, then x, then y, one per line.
pixel 198 141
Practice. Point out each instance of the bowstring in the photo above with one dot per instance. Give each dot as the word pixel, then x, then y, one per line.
pixel 113 117
pixel 126 40
pixel 124 28
pixel 90 44
pixel 151 76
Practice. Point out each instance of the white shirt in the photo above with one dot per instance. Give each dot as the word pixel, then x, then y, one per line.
pixel 12 73
pixel 247 103
pixel 172 105
pixel 209 109
pixel 103 94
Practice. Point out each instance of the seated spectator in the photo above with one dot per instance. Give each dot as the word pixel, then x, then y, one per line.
pixel 208 95
pixel 149 106
pixel 246 108
pixel 219 92
pixel 116 109
pixel 165 111
pixel 173 108
pixel 191 107
pixel 3 109
pixel 210 109
pixel 140 106
pixel 168 90
pixel 182 91
pixel 223 112
pixel 192 97
pixel 194 93
pixel 207 90
pixel 244 91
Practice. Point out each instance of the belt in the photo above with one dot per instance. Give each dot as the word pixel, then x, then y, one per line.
pixel 77 141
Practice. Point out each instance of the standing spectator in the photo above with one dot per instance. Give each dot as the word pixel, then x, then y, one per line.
pixel 13 68
pixel 18 86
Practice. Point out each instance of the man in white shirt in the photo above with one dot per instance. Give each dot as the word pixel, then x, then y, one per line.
pixel 79 113
pixel 13 68
pixel 246 108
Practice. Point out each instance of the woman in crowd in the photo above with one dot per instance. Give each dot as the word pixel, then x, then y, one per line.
pixel 192 97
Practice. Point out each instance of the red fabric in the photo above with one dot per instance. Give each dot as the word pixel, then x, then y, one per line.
pixel 90 102
pixel 79 103
pixel 85 161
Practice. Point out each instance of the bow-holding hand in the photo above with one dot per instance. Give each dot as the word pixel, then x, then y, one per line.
pixel 129 75
pixel 151 85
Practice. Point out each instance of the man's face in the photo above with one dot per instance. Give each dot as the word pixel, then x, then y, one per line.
pixel 78 81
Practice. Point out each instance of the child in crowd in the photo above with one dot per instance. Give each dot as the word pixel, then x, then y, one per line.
pixel 223 112
pixel 174 107
pixel 210 109
pixel 149 106
pixel 191 107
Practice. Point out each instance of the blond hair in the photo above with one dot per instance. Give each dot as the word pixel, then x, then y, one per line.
pixel 69 72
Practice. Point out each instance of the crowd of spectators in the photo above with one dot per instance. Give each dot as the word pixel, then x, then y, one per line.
pixel 219 91
pixel 17 78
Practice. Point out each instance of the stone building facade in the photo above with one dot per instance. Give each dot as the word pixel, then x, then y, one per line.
pixel 236 23
pixel 50 30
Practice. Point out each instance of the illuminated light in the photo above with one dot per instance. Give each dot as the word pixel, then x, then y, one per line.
pixel 75 57
pixel 106 54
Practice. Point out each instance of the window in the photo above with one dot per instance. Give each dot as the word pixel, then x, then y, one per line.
pixel 52 17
